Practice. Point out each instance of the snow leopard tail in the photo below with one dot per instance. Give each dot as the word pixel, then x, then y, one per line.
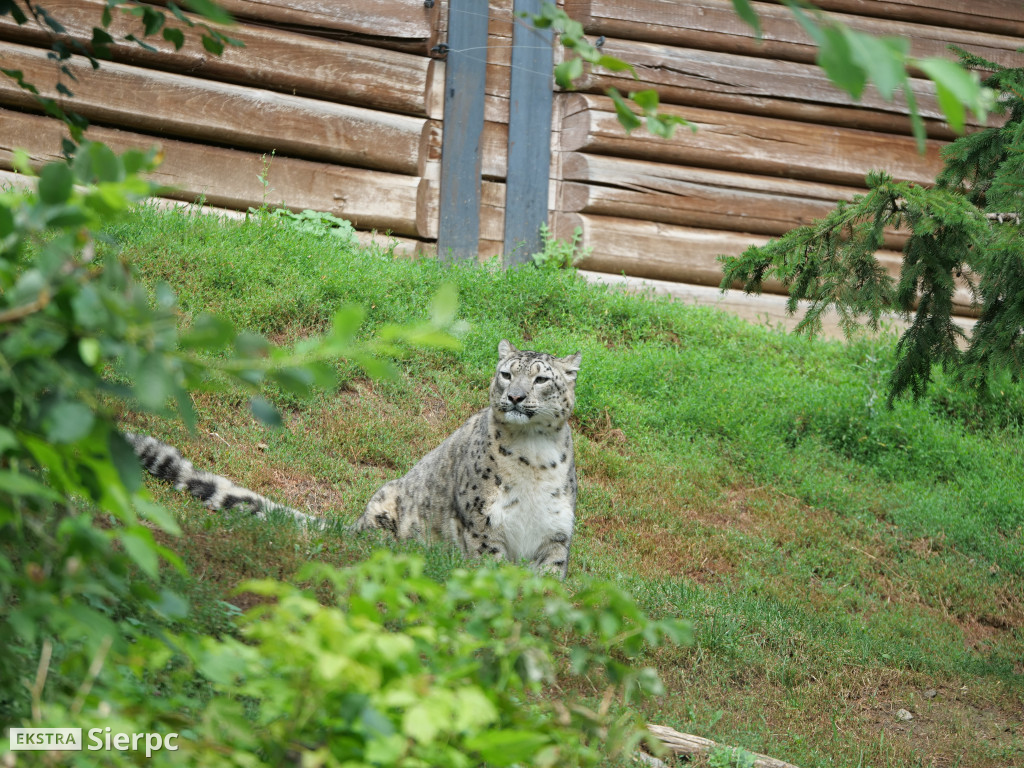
pixel 216 492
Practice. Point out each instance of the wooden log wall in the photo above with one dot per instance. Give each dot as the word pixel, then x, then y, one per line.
pixel 777 145
pixel 339 106
pixel 335 106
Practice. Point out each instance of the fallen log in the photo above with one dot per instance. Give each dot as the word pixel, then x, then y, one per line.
pixel 688 745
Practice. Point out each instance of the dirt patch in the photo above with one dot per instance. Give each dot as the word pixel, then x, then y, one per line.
pixel 935 723
pixel 300 490
pixel 654 551
pixel 601 431
pixel 740 509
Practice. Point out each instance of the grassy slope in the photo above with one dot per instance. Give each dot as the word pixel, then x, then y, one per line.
pixel 840 561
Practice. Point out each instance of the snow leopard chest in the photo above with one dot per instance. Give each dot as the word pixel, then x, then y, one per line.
pixel 537 498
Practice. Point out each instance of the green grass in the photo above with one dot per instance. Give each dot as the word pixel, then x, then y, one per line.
pixel 840 560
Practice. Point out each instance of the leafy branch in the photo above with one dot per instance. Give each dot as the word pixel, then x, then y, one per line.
pixel 571 37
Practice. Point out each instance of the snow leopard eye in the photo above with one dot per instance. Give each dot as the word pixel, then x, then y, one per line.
pixel 505 375
pixel 542 380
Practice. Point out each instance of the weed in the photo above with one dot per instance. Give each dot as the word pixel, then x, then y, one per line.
pixel 560 254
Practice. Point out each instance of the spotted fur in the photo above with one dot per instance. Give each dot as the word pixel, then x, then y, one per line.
pixel 504 483
pixel 216 492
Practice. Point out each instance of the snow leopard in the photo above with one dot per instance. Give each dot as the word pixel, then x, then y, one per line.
pixel 502 485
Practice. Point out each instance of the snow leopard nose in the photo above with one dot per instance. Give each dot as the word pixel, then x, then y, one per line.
pixel 516 397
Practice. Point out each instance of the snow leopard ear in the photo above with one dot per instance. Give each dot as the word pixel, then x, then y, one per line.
pixel 570 364
pixel 506 350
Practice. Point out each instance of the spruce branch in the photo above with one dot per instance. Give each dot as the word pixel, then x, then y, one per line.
pixel 832 264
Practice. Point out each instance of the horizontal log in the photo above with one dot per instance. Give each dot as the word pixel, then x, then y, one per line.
pixel 489 249
pixel 714 25
pixel 688 745
pixel 189 107
pixel 406 25
pixel 998 16
pixel 761 309
pixel 750 144
pixel 681 254
pixel 230 178
pixel 673 194
pixel 381 241
pixel 378 241
pixel 653 250
pixel 492 210
pixel 759 86
pixel 273 59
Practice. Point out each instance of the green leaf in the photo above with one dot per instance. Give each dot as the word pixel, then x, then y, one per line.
pixel 125 461
pixel 627 119
pixel 152 20
pixel 55 183
pixel 89 309
pixel 811 27
pixel 836 58
pixel 8 440
pixel 444 305
pixel 265 412
pixel 209 333
pixel 68 421
pixel 613 64
pixel 18 484
pixel 951 107
pixel 324 375
pixel 89 351
pixel 567 71
pixel 881 58
pixel 646 100
pixel 105 165
pixel 746 12
pixel 506 747
pixel 6 221
pixel 175 37
pixel 423 722
pixel 138 543
pixel 213 45
pixel 210 10
pixel 375 367
pixel 170 605
pixel 665 125
pixel 297 381
pixel 251 344
pixel 345 323
pixel 955 87
pixel 917 125
pixel 153 383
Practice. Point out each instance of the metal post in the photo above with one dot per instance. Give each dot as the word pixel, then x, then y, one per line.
pixel 459 228
pixel 529 136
